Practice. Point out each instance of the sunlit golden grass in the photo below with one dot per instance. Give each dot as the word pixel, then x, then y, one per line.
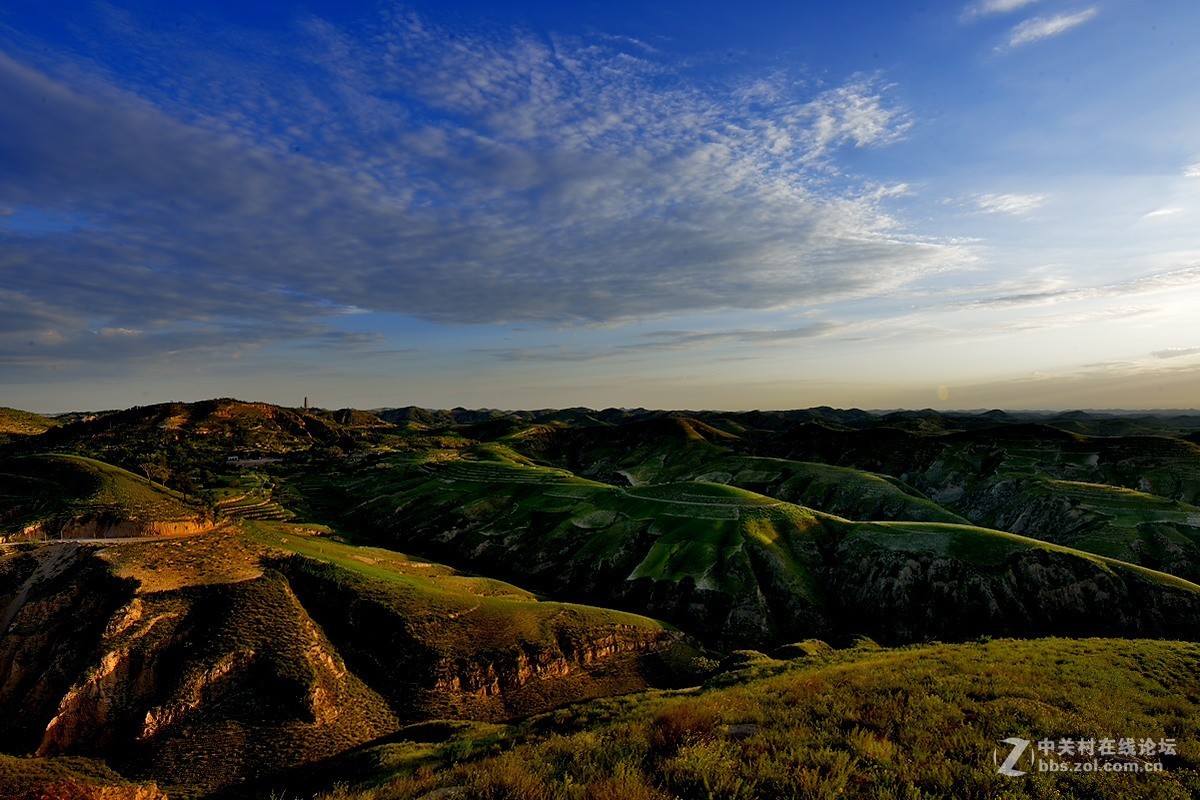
pixel 921 722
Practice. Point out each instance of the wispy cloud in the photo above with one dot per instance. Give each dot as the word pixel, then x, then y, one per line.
pixel 666 340
pixel 465 178
pixel 1162 212
pixel 1192 171
pixel 1015 204
pixel 988 7
pixel 1176 352
pixel 1039 28
pixel 1188 277
pixel 1074 320
pixel 741 335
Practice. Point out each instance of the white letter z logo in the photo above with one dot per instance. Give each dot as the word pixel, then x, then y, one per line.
pixel 1018 747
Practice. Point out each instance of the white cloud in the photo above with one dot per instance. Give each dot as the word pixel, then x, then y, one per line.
pixel 1016 204
pixel 854 113
pixel 1038 28
pixel 1173 280
pixel 995 7
pixel 1176 352
pixel 1162 212
pixel 1192 171
pixel 465 178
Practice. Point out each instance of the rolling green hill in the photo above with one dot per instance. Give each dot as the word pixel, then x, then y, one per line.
pixel 558 603
pixel 23 423
pixel 672 450
pixel 738 568
pixel 76 497
pixel 1132 498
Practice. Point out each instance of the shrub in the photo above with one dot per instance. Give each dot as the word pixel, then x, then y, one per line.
pixel 507 777
pixel 626 783
pixel 679 725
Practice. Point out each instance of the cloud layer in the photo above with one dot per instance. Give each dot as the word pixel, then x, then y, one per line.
pixel 479 178
pixel 1038 28
pixel 1015 204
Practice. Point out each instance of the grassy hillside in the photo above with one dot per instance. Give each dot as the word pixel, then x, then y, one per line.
pixel 57 490
pixel 66 779
pixel 187 444
pixel 660 549
pixel 948 467
pixel 1132 498
pixel 471 646
pixel 673 450
pixel 1122 523
pixel 23 423
pixel 523 562
pixel 921 722
pixel 738 568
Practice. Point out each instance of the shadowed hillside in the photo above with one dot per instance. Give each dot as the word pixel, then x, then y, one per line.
pixel 69 497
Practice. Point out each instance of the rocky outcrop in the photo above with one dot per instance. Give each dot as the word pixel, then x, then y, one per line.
pixel 72 790
pixel 57 603
pixel 199 688
pixel 99 527
pixel 107 526
pixel 497 674
pixel 206 684
pixel 424 667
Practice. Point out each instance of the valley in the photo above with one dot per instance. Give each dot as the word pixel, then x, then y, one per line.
pixel 228 599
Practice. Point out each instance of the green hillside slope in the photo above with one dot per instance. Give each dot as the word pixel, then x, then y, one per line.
pixel 62 495
pixel 23 423
pixel 742 569
pixel 681 449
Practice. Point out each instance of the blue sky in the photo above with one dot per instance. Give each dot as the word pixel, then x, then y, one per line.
pixel 700 205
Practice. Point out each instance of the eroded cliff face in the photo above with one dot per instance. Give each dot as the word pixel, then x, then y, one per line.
pixel 105 526
pixel 56 603
pixel 206 685
pixel 423 672
pixel 97 527
pixel 501 683
pixel 215 684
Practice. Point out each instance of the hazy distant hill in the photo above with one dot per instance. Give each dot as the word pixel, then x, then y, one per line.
pixel 23 423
